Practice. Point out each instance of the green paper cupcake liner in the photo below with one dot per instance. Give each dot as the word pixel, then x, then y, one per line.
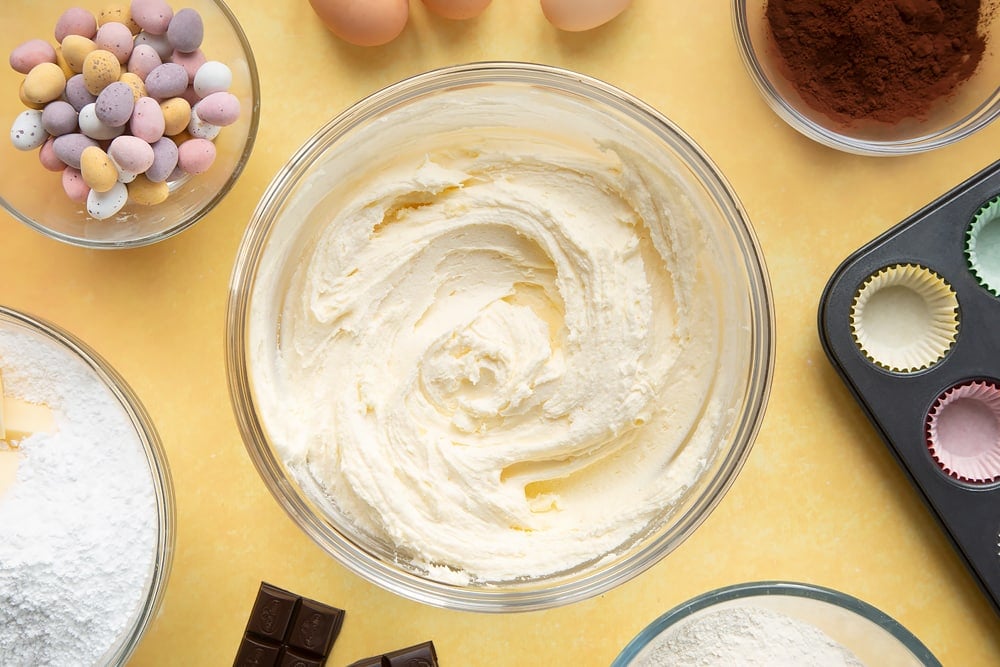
pixel 982 246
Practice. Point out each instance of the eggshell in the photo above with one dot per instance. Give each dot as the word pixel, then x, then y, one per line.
pixel 28 54
pixel 363 22
pixel 579 15
pixel 457 9
pixel 100 69
pixel 167 80
pixel 69 148
pixel 153 16
pixel 94 127
pixel 74 186
pixel 44 83
pixel 114 104
pixel 75 49
pixel 212 77
pixel 131 154
pixel 144 59
pixel 118 14
pixel 116 38
pixel 196 156
pixel 199 128
pixel 186 30
pixel 135 84
pixel 159 43
pixel 98 171
pixel 75 21
pixel 26 132
pixel 59 118
pixel 191 62
pixel 147 120
pixel 103 205
pixel 164 160
pixel 219 109
pixel 77 94
pixel 148 193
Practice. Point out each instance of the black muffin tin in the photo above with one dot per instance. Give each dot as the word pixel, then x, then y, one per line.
pixel 898 403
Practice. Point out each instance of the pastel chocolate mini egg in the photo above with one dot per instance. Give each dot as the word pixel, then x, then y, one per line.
pixel 69 148
pixel 98 171
pixel 219 109
pixel 147 120
pixel 74 186
pixel 47 156
pixel 114 105
pixel 153 16
pixel 579 15
pixel 191 62
pixel 94 127
pixel 116 38
pixel 77 94
pixel 176 115
pixel 158 43
pixel 457 9
pixel 131 154
pixel 75 49
pixel 167 80
pixel 135 84
pixel 164 160
pixel 146 192
pixel 59 118
pixel 197 127
pixel 116 13
pixel 212 77
pixel 75 21
pixel 195 156
pixel 44 83
pixel 26 102
pixel 368 23
pixel 103 205
pixel 26 132
pixel 186 30
pixel 144 59
pixel 100 68
pixel 30 53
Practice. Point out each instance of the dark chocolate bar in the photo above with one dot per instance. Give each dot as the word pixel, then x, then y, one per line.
pixel 420 655
pixel 288 630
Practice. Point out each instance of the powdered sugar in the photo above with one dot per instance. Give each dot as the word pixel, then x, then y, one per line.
pixel 78 529
pixel 748 637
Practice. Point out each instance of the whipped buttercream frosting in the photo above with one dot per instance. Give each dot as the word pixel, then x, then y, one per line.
pixel 493 353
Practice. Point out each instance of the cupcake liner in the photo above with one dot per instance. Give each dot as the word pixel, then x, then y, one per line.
pixel 963 432
pixel 982 246
pixel 904 318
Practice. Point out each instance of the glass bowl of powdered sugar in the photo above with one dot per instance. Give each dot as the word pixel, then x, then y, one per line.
pixel 875 78
pixel 775 623
pixel 86 503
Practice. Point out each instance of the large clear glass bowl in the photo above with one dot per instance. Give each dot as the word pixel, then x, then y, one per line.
pixel 34 195
pixel 340 157
pixel 874 637
pixel 136 622
pixel 974 105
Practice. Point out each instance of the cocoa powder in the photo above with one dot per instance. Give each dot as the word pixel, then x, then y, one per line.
pixel 884 60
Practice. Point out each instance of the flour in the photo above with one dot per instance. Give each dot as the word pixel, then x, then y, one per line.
pixel 78 529
pixel 745 637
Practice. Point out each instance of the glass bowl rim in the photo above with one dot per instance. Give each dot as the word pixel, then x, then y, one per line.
pixel 772 588
pixel 243 279
pixel 205 208
pixel 976 120
pixel 156 458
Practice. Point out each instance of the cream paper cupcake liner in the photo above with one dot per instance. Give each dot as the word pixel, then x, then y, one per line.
pixel 963 432
pixel 904 318
pixel 982 246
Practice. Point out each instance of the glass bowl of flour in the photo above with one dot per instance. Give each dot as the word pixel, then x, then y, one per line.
pixel 86 503
pixel 499 337
pixel 770 623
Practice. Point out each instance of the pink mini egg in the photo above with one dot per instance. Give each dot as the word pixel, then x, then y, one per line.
pixel 457 9
pixel 195 156
pixel 47 156
pixel 191 62
pixel 131 154
pixel 153 16
pixel 368 23
pixel 579 15
pixel 74 185
pixel 167 80
pixel 116 38
pixel 186 30
pixel 28 54
pixel 144 59
pixel 76 21
pixel 147 120
pixel 220 109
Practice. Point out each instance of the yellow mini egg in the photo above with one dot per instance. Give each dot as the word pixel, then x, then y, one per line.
pixel 118 14
pixel 176 115
pixel 44 83
pixel 98 170
pixel 100 69
pixel 579 15
pixel 135 82
pixel 75 49
pixel 363 22
pixel 61 61
pixel 26 102
pixel 457 9
pixel 147 193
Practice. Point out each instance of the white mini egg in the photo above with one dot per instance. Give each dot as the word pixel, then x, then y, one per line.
pixel 200 129
pixel 27 133
pixel 103 205
pixel 212 77
pixel 92 126
pixel 579 15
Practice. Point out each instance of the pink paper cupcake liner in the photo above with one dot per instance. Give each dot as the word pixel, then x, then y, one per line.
pixel 963 432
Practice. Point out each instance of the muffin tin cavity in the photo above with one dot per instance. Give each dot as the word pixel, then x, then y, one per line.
pixel 909 327
pixel 904 318
pixel 963 432
pixel 982 245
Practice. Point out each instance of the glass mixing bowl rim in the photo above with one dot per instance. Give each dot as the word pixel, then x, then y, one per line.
pixel 369 566
pixel 775 588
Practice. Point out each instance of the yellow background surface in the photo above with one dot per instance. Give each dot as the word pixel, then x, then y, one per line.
pixel 820 499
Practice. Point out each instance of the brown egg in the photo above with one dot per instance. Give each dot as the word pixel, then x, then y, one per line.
pixel 363 22
pixel 578 15
pixel 457 9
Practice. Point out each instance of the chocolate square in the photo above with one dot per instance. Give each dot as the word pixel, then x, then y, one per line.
pixel 272 612
pixel 421 655
pixel 255 652
pixel 290 658
pixel 314 627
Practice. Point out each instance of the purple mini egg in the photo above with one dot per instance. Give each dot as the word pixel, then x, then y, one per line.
pixel 116 38
pixel 186 30
pixel 59 118
pixel 153 16
pixel 114 104
pixel 144 59
pixel 69 148
pixel 164 160
pixel 131 154
pixel 167 80
pixel 158 43
pixel 147 120
pixel 219 109
pixel 77 94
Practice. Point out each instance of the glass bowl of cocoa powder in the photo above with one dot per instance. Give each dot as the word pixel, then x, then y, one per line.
pixel 884 77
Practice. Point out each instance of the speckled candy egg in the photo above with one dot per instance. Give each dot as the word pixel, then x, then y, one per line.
pixel 131 154
pixel 186 30
pixel 191 62
pixel 75 21
pixel 164 160
pixel 195 156
pixel 134 83
pixel 144 59
pixel 219 109
pixel 28 54
pixel 153 16
pixel 74 186
pixel 212 77
pixel 147 121
pixel 59 118
pixel 27 133
pixel 99 173
pixel 116 13
pixel 158 43
pixel 176 115
pixel 69 148
pixel 114 104
pixel 44 83
pixel 75 49
pixel 77 94
pixel 116 38
pixel 146 192
pixel 167 80
pixel 200 128
pixel 103 205
pixel 47 156
pixel 100 69
pixel 94 127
